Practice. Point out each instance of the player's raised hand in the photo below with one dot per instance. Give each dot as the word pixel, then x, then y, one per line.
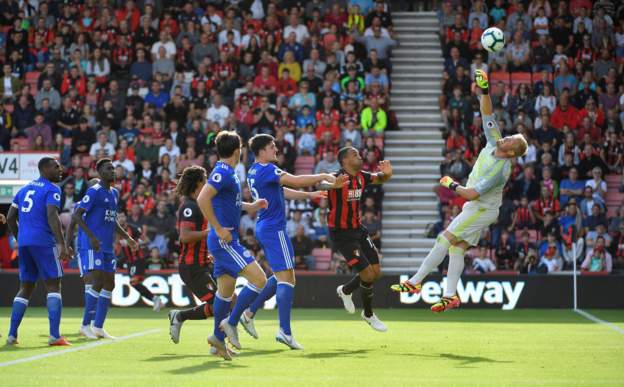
pixel 481 79
pixel 385 167
pixel 448 182
pixel 224 234
pixel 95 243
pixel 317 195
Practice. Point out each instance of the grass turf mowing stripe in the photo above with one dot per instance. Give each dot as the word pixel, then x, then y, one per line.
pixel 595 319
pixel 80 348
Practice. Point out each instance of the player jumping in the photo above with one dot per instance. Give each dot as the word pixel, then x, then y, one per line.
pixel 266 181
pixel 41 245
pixel 195 261
pixel 220 201
pixel 348 234
pixel 484 192
pixel 96 215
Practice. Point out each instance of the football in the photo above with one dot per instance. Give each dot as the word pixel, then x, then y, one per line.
pixel 493 39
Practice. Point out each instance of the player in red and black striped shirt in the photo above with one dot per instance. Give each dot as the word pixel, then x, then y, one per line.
pixel 195 263
pixel 348 234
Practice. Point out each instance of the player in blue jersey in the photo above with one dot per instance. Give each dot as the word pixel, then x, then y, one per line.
pixel 96 215
pixel 33 219
pixel 267 181
pixel 220 201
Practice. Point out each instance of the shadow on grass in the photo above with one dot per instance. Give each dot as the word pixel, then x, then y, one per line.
pixel 357 353
pixel 462 359
pixel 175 356
pixel 212 364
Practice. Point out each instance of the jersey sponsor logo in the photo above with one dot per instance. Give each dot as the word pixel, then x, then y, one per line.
pixel 505 293
pixel 187 212
pixel 354 194
pixel 110 216
pixel 216 177
pixel 57 196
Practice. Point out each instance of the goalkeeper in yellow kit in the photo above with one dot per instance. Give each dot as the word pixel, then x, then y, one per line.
pixel 484 192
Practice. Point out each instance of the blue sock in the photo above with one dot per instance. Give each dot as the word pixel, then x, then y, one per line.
pixel 220 309
pixel 267 292
pixel 285 294
pixel 102 308
pixel 19 308
pixel 91 300
pixel 55 305
pixel 245 298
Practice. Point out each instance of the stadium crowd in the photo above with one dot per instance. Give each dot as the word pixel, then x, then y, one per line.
pixel 559 82
pixel 150 84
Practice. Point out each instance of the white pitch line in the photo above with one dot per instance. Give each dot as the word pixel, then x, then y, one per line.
pixel 595 319
pixel 80 348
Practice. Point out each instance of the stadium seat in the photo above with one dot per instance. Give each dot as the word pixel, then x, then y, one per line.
pixel 520 78
pixel 32 77
pixel 613 180
pixel 500 76
pixel 304 165
pixel 20 144
pixel 322 258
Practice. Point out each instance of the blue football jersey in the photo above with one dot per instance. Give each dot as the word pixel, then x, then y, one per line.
pixel 227 202
pixel 100 215
pixel 32 202
pixel 264 183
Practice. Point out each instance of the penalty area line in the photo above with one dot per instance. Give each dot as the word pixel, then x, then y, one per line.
pixel 79 348
pixel 595 319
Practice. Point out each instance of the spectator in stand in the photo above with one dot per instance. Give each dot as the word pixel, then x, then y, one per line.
pixel 157 97
pixel 103 145
pixel 302 247
pixel 589 200
pixel 571 188
pixel 483 263
pixel 564 114
pixel 598 259
pixel 518 53
pixel 328 164
pixel 40 129
pixel 373 119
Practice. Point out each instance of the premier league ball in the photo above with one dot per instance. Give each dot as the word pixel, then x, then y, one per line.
pixel 493 39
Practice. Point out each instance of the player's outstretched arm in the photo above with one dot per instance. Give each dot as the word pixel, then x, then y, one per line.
pixel 292 194
pixel 490 126
pixel 204 201
pixel 54 221
pixel 12 221
pixel 303 181
pixel 255 206
pixel 384 174
pixel 337 184
pixel 464 192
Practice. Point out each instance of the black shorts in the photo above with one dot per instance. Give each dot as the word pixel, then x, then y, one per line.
pixel 199 281
pixel 357 248
pixel 136 271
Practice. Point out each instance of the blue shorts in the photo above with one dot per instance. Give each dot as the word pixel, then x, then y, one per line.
pixel 39 262
pixel 277 248
pixel 229 258
pixel 96 260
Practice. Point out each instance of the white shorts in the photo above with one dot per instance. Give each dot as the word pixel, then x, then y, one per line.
pixel 471 221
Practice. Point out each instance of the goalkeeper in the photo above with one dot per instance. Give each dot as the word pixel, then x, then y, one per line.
pixel 484 192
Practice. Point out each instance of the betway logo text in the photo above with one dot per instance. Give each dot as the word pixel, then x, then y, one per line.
pixel 170 288
pixel 475 292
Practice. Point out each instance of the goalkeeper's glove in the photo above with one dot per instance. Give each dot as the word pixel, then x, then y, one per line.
pixel 449 183
pixel 481 79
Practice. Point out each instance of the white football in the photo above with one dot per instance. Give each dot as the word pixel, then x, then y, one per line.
pixel 493 39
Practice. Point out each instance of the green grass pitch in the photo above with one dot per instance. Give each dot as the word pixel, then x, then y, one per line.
pixel 463 347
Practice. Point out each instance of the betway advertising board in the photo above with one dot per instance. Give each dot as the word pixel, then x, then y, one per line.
pixel 313 291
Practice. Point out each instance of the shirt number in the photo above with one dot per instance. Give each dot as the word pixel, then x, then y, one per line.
pixel 254 192
pixel 28 201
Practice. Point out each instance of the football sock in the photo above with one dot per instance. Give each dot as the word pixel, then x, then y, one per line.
pixel 55 305
pixel 246 296
pixel 285 294
pixel 455 269
pixel 200 312
pixel 221 309
pixel 366 290
pixel 19 308
pixel 433 259
pixel 102 308
pixel 350 286
pixel 145 292
pixel 267 292
pixel 91 300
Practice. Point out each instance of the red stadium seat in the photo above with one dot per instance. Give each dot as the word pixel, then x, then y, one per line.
pixel 538 77
pixel 613 180
pixel 520 78
pixel 32 77
pixel 500 76
pixel 322 258
pixel 20 144
pixel 304 165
